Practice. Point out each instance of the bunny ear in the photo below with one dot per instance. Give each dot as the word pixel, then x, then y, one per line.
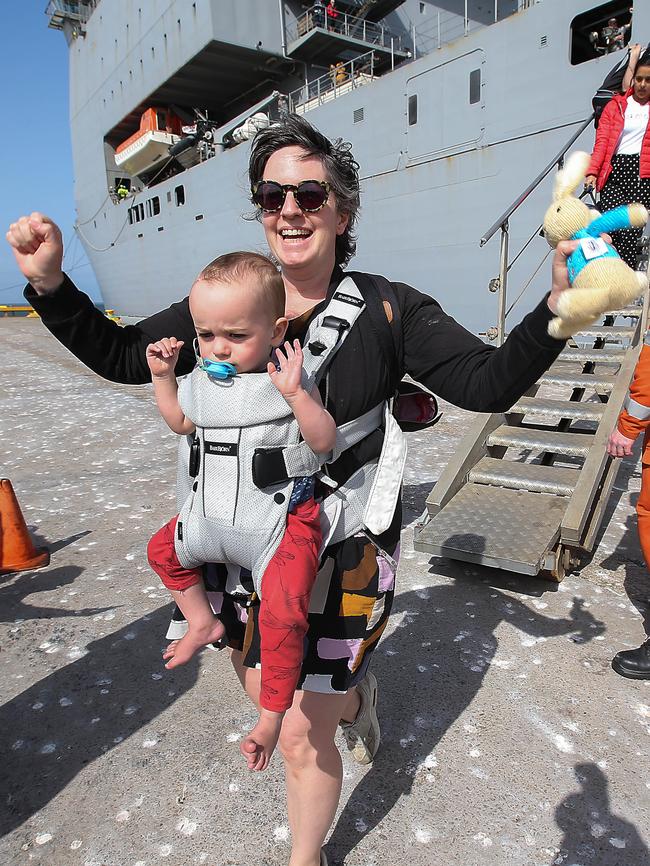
pixel 572 175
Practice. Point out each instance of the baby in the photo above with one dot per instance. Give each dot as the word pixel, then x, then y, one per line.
pixel 237 305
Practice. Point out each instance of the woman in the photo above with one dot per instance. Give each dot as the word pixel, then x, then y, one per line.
pixel 620 162
pixel 306 189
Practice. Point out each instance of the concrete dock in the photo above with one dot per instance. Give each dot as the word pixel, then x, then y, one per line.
pixel 507 738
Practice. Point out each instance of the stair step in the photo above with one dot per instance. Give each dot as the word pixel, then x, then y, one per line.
pixel 559 408
pixel 630 312
pixel 574 444
pixel 494 526
pixel 586 356
pixel 615 331
pixel 579 380
pixel 525 476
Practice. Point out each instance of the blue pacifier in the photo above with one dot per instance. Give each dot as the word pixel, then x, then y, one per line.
pixel 217 369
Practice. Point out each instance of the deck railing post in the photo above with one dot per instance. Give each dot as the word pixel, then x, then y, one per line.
pixel 503 283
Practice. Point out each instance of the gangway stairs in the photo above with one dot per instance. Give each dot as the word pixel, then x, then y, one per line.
pixel 526 490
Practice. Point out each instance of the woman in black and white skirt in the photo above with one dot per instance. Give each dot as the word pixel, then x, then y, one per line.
pixel 620 163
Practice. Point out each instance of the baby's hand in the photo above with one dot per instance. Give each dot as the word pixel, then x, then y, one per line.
pixel 288 378
pixel 163 355
pixel 260 744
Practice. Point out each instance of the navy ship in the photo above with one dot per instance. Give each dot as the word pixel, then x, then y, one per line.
pixel 453 107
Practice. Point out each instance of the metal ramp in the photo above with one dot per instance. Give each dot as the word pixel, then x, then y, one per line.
pixel 526 490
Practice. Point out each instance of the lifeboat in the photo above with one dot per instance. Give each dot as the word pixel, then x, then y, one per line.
pixel 159 129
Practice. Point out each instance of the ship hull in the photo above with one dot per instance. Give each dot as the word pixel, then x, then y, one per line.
pixel 429 190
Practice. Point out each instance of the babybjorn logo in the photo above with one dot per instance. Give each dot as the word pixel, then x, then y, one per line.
pixel 348 299
pixel 224 449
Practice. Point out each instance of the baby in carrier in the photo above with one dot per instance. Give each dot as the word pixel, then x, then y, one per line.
pixel 238 308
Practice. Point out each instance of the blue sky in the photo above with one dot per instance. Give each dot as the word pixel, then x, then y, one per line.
pixel 35 142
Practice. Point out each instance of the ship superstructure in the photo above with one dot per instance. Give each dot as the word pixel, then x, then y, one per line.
pixel 452 108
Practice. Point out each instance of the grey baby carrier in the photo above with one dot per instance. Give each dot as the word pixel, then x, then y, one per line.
pixel 236 476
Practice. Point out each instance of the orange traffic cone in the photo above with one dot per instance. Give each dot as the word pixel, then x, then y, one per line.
pixel 17 553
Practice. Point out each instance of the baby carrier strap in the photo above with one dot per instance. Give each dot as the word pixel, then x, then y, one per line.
pixel 378 294
pixel 327 333
pixel 274 465
pixel 325 336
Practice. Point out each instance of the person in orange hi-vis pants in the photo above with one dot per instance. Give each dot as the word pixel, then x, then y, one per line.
pixel 634 419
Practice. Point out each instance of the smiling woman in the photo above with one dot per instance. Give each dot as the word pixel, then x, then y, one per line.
pixel 306 188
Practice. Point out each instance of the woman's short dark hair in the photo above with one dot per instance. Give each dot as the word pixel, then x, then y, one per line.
pixel 341 168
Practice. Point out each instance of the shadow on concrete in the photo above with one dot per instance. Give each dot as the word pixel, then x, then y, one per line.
pixel 80 712
pixel 414 499
pixel 64 542
pixel 12 595
pixel 592 833
pixel 430 668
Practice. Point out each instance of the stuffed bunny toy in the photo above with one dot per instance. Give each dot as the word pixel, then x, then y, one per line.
pixel 600 280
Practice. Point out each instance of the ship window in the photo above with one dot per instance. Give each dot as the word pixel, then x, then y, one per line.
pixel 161 120
pixel 155 205
pixel 169 197
pixel 592 35
pixel 474 86
pixel 130 212
pixel 179 194
pixel 423 8
pixel 198 217
pixel 413 109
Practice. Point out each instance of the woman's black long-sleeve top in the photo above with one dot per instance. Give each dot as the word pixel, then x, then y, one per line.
pixel 438 352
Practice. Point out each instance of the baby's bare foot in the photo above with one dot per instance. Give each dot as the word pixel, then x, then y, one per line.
pixel 260 744
pixel 179 652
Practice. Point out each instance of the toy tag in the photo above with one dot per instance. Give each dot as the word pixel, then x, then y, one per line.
pixel 592 248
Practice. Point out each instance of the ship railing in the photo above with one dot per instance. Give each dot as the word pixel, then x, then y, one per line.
pixel 442 27
pixel 341 79
pixel 344 24
pixel 500 283
pixel 75 10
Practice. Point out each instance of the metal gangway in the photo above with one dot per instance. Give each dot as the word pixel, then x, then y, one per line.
pixel 526 490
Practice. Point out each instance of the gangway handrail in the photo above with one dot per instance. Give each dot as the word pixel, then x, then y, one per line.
pixel 535 183
pixel 503 223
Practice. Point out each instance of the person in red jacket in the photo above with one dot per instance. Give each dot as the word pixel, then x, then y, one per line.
pixel 620 162
pixel 332 15
pixel 635 419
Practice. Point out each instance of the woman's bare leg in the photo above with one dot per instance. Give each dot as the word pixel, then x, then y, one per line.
pixel 352 705
pixel 312 761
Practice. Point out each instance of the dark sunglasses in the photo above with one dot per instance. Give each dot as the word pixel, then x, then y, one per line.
pixel 310 195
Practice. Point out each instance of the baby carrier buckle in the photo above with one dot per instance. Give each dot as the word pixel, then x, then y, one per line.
pixel 269 467
pixel 339 325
